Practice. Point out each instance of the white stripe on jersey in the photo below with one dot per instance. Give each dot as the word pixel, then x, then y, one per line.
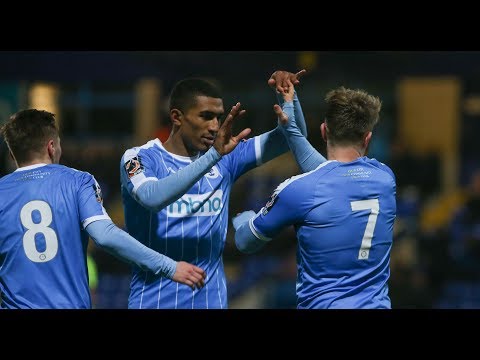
pixel 218 287
pixel 279 188
pixel 138 180
pixel 198 241
pixel 131 153
pixel 34 166
pixel 166 245
pixel 255 231
pixel 258 151
pixel 181 258
pixel 176 297
pixel 89 220
pixel 193 297
pixel 284 184
pixel 211 245
pixel 159 293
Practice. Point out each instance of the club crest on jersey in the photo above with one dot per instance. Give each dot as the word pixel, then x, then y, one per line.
pixel 98 192
pixel 213 173
pixel 270 203
pixel 133 167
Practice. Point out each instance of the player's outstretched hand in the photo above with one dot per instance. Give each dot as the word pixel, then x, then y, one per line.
pixel 279 79
pixel 224 141
pixel 190 275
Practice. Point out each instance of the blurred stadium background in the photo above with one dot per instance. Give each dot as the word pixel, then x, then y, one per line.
pixel 108 101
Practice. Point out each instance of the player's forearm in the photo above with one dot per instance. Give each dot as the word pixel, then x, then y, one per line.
pixel 119 243
pixel 299 118
pixel 157 194
pixel 272 144
pixel 245 239
pixel 307 157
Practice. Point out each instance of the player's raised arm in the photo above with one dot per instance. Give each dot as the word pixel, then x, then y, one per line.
pixel 307 157
pixel 279 81
pixel 273 143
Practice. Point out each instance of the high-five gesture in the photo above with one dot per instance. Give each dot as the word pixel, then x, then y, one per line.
pixel 224 141
pixel 279 80
pixel 287 96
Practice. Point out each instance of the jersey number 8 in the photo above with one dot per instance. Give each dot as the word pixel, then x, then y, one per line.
pixel 51 240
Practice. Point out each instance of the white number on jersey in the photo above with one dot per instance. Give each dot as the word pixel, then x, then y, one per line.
pixel 49 234
pixel 374 207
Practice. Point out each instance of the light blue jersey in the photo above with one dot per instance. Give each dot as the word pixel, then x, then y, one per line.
pixel 193 228
pixel 43 209
pixel 343 215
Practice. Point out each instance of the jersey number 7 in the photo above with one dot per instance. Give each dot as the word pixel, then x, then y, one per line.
pixel 374 207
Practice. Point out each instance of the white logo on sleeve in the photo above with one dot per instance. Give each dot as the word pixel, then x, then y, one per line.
pixel 213 173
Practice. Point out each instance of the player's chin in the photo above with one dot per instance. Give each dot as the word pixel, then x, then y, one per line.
pixel 207 143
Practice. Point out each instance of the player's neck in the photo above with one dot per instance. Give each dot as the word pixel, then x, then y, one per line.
pixel 176 146
pixel 35 161
pixel 343 154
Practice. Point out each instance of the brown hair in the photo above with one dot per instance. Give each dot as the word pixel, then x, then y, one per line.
pixel 27 131
pixel 350 115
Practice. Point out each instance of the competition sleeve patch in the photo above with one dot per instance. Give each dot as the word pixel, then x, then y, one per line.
pixel 270 203
pixel 133 167
pixel 98 192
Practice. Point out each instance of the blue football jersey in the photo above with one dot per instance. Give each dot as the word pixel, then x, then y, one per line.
pixel 343 214
pixel 43 247
pixel 193 228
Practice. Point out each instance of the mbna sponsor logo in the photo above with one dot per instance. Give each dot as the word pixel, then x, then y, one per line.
pixel 197 205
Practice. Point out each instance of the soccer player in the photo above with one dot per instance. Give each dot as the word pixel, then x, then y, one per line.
pixel 175 194
pixel 44 208
pixel 342 209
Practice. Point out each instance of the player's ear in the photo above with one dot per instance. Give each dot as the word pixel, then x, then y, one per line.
pixel 367 139
pixel 51 149
pixel 324 129
pixel 176 117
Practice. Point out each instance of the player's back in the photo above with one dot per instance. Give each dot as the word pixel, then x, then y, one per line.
pixel 42 247
pixel 346 235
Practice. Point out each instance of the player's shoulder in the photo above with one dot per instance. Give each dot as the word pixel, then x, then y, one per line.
pixel 321 171
pixel 296 184
pixel 6 178
pixel 67 169
pixel 149 146
pixel 243 144
pixel 302 181
pixel 380 165
pixel 374 162
pixel 73 174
